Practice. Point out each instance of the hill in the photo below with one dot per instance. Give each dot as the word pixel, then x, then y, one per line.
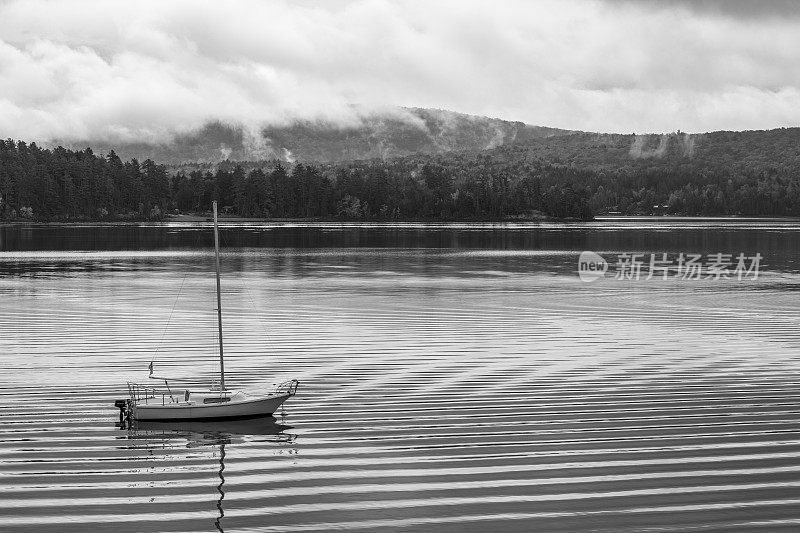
pixel 385 135
pixel 736 151
pixel 445 166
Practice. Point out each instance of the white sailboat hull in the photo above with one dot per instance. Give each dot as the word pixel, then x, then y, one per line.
pixel 249 408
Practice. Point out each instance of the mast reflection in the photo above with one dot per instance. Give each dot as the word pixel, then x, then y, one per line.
pixel 218 521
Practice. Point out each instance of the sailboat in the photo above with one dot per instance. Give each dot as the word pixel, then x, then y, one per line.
pixel 215 403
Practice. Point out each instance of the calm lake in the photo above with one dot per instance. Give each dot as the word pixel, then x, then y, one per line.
pixel 452 378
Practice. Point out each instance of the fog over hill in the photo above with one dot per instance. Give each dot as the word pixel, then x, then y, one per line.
pixel 403 131
pixel 412 132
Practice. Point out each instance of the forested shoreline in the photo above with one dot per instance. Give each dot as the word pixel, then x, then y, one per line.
pixel 510 183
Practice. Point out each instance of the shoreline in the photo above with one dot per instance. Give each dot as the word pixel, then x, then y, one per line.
pixel 189 220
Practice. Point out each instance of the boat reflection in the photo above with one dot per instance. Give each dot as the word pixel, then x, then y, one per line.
pixel 217 435
pixel 199 433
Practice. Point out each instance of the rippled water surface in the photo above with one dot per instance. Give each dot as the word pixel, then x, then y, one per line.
pixel 452 378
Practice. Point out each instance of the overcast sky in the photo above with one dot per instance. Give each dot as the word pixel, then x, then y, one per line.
pixel 95 69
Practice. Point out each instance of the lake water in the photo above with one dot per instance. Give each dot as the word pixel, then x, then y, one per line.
pixel 452 378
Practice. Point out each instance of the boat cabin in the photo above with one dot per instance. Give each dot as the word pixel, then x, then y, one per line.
pixel 208 396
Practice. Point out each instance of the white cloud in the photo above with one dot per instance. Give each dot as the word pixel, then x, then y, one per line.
pixel 93 69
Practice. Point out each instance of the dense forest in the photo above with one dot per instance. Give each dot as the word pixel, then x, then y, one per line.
pixel 574 176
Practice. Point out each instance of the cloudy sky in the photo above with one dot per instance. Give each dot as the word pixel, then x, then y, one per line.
pixel 97 69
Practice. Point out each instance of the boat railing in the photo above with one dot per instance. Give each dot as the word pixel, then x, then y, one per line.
pixel 142 394
pixel 287 387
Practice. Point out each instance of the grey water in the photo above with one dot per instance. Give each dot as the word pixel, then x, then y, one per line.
pixel 453 377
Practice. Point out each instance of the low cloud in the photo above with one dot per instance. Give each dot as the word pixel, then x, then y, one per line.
pixel 145 71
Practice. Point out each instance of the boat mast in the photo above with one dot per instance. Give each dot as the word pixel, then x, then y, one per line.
pixel 219 302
